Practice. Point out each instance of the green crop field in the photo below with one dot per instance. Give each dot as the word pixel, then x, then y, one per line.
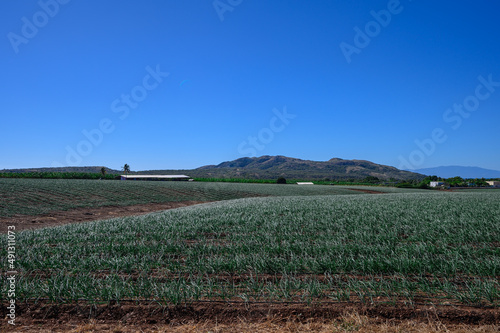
pixel 307 245
pixel 39 196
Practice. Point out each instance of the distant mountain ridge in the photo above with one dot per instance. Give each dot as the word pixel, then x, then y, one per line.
pixel 272 167
pixel 461 171
pixel 269 167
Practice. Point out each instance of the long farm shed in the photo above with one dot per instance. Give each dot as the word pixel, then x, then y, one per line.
pixel 155 177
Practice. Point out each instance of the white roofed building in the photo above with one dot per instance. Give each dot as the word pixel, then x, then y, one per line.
pixel 155 177
pixel 493 183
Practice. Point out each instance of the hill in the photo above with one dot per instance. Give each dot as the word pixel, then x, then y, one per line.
pixel 461 171
pixel 267 167
pixel 272 167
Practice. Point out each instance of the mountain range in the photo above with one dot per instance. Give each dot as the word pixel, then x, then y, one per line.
pixel 460 171
pixel 270 167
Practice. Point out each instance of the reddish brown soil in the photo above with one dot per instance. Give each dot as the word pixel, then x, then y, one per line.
pixel 366 191
pixel 63 317
pixel 24 222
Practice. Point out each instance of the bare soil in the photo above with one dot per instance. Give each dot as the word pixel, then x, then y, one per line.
pixel 55 218
pixel 260 317
pixel 366 191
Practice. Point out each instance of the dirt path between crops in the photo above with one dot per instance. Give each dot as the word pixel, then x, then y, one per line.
pixel 366 191
pixel 250 317
pixel 55 218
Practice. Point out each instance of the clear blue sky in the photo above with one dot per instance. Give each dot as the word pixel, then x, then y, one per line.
pixel 234 69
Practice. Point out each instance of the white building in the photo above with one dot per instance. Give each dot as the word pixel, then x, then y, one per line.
pixel 155 177
pixel 493 183
pixel 436 184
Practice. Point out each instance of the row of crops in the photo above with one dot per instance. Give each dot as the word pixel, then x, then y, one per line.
pixel 39 196
pixel 412 247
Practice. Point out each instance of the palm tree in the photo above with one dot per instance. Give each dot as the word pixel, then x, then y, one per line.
pixel 103 171
pixel 126 169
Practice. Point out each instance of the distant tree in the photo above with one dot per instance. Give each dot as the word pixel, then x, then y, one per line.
pixel 456 181
pixel 281 180
pixel 103 171
pixel 371 179
pixel 126 169
pixel 427 180
pixel 481 182
pixel 423 184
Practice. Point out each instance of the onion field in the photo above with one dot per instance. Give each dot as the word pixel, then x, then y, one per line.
pixel 297 244
pixel 41 196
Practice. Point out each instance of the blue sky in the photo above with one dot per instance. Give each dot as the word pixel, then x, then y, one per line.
pixel 180 84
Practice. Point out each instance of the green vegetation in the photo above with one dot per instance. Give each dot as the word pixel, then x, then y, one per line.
pixel 426 247
pixel 449 182
pixel 109 174
pixel 126 169
pixel 281 180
